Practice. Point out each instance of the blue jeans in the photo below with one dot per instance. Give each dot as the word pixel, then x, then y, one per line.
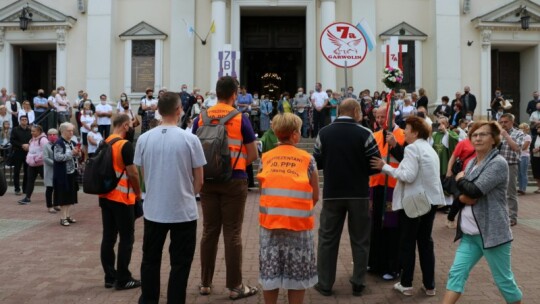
pixel 523 177
pixel 303 116
pixel 469 252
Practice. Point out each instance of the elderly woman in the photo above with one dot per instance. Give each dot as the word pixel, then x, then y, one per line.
pixel 65 172
pixel 13 108
pixel 535 157
pixel 483 225
pixel 289 191
pixel 418 172
pixel 48 163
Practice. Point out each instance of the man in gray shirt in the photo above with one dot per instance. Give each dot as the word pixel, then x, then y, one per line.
pixel 301 106
pixel 171 161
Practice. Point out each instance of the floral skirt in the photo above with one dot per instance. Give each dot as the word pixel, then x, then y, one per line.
pixel 287 259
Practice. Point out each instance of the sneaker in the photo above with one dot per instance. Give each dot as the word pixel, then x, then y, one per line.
pixel 132 283
pixel 429 292
pixel 57 208
pixel 389 277
pixel 109 284
pixel 51 210
pixel 64 222
pixel 71 220
pixel 24 201
pixel 406 291
pixel 18 192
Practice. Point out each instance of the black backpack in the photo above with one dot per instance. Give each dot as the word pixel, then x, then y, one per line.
pixel 99 175
pixel 215 145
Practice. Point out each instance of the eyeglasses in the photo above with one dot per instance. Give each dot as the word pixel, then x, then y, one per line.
pixel 481 135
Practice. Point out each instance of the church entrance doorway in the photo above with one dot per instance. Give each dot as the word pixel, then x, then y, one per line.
pixel 505 75
pixel 273 59
pixel 35 68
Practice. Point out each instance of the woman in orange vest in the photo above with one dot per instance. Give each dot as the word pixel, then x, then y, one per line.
pixel 289 184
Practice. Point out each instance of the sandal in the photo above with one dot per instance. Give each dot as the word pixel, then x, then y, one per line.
pixel 71 220
pixel 243 291
pixel 64 222
pixel 204 290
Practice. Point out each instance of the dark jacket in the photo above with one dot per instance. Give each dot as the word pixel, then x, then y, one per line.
pixel 439 111
pixel 19 137
pixel 422 102
pixel 343 150
pixel 471 106
pixel 531 106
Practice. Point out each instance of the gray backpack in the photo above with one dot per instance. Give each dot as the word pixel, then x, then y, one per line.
pixel 215 145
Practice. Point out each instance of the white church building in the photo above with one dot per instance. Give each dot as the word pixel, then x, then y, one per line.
pixel 114 46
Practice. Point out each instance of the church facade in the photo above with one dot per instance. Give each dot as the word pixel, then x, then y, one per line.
pixel 114 46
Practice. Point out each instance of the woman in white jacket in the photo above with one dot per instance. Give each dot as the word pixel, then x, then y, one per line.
pixel 418 172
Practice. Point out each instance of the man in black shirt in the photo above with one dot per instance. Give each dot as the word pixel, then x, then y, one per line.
pixel 343 150
pixel 20 137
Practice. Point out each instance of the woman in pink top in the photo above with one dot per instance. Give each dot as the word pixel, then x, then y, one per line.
pixel 34 159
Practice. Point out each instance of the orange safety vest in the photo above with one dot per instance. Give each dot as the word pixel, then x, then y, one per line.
pixel 123 193
pixel 234 133
pixel 378 179
pixel 286 200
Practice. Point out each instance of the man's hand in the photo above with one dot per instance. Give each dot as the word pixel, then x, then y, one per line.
pixel 377 163
pixel 460 175
pixel 390 139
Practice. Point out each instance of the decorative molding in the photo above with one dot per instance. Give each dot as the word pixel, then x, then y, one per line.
pixel 61 33
pixel 42 15
pixel 404 31
pixel 143 30
pixel 486 38
pixel 506 17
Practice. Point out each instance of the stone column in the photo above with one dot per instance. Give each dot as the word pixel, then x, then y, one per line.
pixel 418 65
pixel 364 76
pixel 327 72
pixel 448 46
pixel 61 57
pixel 3 58
pixel 219 15
pixel 99 48
pixel 485 74
pixel 128 45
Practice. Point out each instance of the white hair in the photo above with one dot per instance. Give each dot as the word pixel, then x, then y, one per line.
pixel 64 126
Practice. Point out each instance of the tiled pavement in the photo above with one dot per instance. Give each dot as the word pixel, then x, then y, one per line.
pixel 43 262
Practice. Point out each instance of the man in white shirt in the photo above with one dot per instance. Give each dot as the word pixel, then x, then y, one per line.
pixel 211 100
pixel 171 181
pixel 104 113
pixel 319 100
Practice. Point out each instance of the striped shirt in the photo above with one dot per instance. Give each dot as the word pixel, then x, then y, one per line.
pixel 512 157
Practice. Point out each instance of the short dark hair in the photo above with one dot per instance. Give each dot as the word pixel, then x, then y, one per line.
pixel 226 87
pixel 120 120
pixel 493 125
pixel 23 116
pixel 168 103
pixel 445 98
pixel 418 125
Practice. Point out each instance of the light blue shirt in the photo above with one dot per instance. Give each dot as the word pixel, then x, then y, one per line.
pixel 40 101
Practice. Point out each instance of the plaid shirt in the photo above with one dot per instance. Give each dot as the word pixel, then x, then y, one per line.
pixel 511 156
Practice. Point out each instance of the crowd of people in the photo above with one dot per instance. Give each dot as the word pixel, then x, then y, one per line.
pixel 375 162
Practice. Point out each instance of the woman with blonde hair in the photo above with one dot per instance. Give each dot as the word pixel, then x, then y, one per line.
pixel 28 112
pixel 289 191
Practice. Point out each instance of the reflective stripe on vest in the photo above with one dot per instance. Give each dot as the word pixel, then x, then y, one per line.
pixel 234 133
pixel 380 179
pixel 286 200
pixel 286 212
pixel 123 193
pixel 287 193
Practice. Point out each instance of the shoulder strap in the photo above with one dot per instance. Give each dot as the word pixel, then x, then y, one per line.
pixel 114 140
pixel 228 117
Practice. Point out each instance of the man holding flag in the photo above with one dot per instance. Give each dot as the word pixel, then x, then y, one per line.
pixel 383 254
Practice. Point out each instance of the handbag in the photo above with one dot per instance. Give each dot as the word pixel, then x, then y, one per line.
pixel 416 205
pixel 458 164
pixel 506 104
pixel 136 121
pixel 138 208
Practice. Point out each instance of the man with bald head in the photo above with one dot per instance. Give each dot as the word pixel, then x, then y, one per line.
pixel 343 150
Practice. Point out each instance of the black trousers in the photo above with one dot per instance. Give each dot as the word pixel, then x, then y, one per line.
pixel 118 219
pixel 251 178
pixel 32 173
pixel 105 130
pixel 181 250
pixel 319 119
pixel 417 231
pixel 49 197
pixel 19 161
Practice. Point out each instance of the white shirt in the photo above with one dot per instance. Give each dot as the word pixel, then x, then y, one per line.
pixel 210 102
pixel 168 155
pixel 468 223
pixel 31 116
pixel 61 103
pixel 103 108
pixel 86 119
pixel 319 98
pixel 97 138
pixel 149 102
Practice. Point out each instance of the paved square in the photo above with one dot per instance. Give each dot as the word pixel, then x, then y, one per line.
pixel 43 262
